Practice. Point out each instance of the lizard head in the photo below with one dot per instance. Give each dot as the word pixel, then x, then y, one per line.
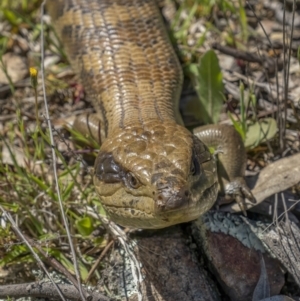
pixel 155 176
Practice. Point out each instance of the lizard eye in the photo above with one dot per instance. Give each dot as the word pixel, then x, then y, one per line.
pixel 132 181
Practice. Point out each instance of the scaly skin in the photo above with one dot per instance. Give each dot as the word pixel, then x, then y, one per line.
pixel 150 172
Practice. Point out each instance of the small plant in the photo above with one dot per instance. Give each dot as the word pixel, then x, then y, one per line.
pixel 27 191
pixel 253 131
pixel 208 82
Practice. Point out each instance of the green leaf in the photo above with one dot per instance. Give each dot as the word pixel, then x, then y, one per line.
pixel 208 82
pixel 85 226
pixel 243 109
pixel 243 21
pixel 226 6
pixel 260 131
pixel 37 226
pixel 14 254
pixel 43 186
pixel 96 202
pixel 238 126
pixel 8 206
pixel 67 263
pixel 67 192
pixel 11 17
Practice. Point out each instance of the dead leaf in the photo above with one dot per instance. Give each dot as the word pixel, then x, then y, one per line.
pixel 15 66
pixel 275 178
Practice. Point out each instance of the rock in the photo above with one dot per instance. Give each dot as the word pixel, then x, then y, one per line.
pixel 169 269
pixel 234 255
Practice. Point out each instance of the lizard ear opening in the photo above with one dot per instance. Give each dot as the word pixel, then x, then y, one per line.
pixel 200 155
pixel 195 169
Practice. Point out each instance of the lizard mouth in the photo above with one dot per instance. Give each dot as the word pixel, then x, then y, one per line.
pixel 135 217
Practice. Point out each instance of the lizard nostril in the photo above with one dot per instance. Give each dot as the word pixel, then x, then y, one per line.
pixel 170 199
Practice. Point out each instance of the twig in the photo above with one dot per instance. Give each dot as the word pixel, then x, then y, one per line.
pixel 282 120
pixel 36 257
pixel 287 72
pixel 53 262
pixel 276 57
pixel 55 159
pixel 246 56
pixel 94 267
pixel 238 54
pixel 47 290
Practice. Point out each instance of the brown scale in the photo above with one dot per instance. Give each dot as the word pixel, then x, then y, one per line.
pixel 151 172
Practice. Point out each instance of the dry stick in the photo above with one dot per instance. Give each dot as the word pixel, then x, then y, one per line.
pixel 60 268
pixel 281 143
pixel 271 65
pixel 94 267
pixel 55 160
pixel 286 69
pixel 46 290
pixel 288 227
pixel 286 77
pixel 272 47
pixel 239 54
pixel 244 55
pixel 281 215
pixel 250 57
pixel 283 247
pixel 53 262
pixel 28 115
pixel 36 257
